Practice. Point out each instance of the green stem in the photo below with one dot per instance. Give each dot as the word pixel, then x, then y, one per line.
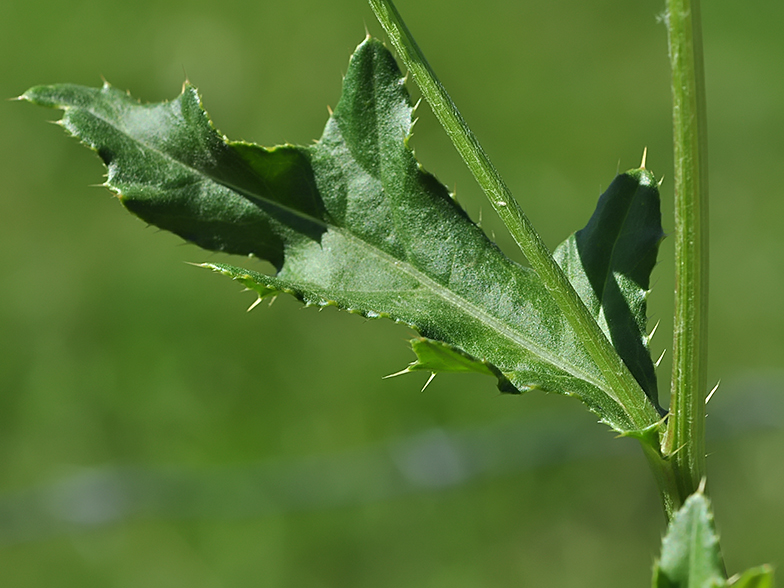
pixel 666 479
pixel 685 439
pixel 623 388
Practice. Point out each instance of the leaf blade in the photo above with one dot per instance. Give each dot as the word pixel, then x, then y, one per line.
pixel 351 221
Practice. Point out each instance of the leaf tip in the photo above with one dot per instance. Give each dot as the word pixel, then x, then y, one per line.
pixel 29 95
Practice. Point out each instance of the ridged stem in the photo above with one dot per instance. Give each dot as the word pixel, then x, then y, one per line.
pixel 685 439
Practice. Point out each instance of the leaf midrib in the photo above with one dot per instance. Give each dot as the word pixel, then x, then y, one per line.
pixel 476 312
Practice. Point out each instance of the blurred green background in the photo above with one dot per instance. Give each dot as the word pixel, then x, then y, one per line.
pixel 154 434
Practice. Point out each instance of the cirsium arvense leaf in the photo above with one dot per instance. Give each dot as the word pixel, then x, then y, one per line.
pixel 352 221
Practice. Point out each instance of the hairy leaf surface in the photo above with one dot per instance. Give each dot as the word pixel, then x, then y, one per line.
pixel 352 221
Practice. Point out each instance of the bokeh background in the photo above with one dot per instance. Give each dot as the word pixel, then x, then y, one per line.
pixel 154 434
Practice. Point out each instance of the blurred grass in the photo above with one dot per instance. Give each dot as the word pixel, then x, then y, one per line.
pixel 115 353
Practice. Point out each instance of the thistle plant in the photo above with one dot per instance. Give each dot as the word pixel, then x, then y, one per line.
pixel 355 222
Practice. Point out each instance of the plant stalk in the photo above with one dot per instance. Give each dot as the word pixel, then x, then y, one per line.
pixel 623 388
pixel 684 442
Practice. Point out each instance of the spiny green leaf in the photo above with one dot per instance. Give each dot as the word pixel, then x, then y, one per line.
pixel 690 551
pixel 352 221
pixel 609 263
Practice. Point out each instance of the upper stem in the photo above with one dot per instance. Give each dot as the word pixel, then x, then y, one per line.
pixel 623 388
pixel 685 439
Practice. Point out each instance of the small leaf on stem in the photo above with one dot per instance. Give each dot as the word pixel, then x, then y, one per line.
pixel 690 555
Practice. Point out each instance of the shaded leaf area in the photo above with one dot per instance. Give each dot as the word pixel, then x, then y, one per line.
pixel 352 221
pixel 609 262
pixel 690 555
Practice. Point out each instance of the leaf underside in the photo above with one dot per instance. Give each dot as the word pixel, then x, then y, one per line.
pixel 609 263
pixel 355 222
